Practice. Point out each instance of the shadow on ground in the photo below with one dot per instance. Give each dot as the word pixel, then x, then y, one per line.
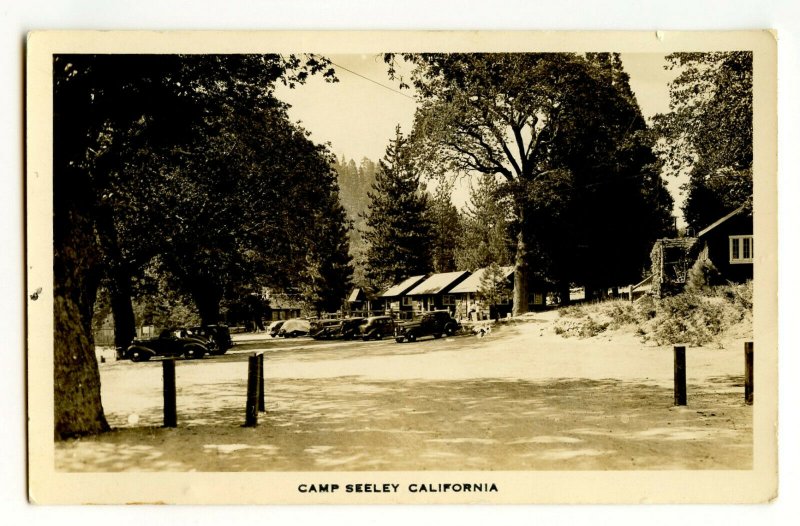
pixel 348 424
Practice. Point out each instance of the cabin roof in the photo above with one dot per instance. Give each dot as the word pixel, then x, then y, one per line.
pixel 473 283
pixel 437 283
pixel 719 221
pixel 402 287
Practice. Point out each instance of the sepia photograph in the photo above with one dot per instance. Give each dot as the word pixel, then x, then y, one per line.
pixel 366 267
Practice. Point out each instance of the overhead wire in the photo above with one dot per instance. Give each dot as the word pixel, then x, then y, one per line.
pixel 369 79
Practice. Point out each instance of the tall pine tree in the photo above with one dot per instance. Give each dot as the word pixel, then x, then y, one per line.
pixel 446 228
pixel 486 236
pixel 398 232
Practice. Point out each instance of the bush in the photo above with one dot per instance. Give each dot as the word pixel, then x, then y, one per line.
pixel 584 327
pixel 573 311
pixel 591 328
pixel 622 313
pixel 702 275
pixel 688 318
pixel 691 317
pixel 741 296
pixel 646 309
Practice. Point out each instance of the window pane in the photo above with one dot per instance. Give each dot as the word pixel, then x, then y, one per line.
pixel 746 248
pixel 735 249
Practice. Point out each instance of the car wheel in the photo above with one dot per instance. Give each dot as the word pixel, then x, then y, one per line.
pixel 399 340
pixel 378 336
pixel 194 353
pixel 412 337
pixel 450 330
pixel 139 356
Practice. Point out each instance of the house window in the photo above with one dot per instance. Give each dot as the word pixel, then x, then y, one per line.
pixel 407 301
pixel 447 299
pixel 741 249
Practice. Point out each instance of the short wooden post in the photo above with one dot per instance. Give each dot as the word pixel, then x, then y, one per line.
pixel 251 409
pixel 748 373
pixel 261 405
pixel 680 375
pixel 170 400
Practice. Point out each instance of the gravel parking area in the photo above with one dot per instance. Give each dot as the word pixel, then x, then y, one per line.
pixel 520 398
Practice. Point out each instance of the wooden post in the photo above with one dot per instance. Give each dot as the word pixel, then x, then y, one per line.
pixel 251 409
pixel 261 406
pixel 748 373
pixel 170 404
pixel 680 375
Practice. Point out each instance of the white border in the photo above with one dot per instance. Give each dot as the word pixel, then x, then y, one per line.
pixel 18 18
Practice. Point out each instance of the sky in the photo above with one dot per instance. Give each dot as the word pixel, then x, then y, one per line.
pixel 358 115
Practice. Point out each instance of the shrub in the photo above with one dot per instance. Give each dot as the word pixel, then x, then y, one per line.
pixel 646 308
pixel 702 275
pixel 622 313
pixel 742 296
pixel 591 328
pixel 691 317
pixel 573 311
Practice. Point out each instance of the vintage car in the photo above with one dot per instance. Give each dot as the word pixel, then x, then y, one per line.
pixel 324 329
pixel 274 328
pixel 377 327
pixel 171 342
pixel 220 334
pixel 350 328
pixel 434 323
pixel 294 328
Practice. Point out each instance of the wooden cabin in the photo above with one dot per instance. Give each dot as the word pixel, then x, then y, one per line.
pixel 434 292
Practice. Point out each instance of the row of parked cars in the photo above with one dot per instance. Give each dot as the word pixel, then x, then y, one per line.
pixel 196 342
pixel 435 323
pixel 189 342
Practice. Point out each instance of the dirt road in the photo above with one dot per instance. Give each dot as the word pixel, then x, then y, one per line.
pixel 521 398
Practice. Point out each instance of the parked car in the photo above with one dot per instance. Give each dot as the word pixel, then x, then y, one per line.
pixel 220 334
pixel 350 328
pixel 171 342
pixel 274 328
pixel 294 328
pixel 324 329
pixel 435 323
pixel 377 327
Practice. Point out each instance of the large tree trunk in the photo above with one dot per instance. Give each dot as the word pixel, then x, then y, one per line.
pixel 119 276
pixel 76 377
pixel 521 273
pixel 207 298
pixel 563 293
pixel 122 307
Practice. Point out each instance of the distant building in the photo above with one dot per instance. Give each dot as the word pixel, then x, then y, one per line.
pixel 282 305
pixel 469 306
pixel 434 292
pixel 362 303
pixel 395 298
pixel 727 243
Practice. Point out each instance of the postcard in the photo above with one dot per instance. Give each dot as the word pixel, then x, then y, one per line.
pixel 401 267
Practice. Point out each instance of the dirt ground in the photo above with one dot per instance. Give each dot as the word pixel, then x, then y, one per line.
pixel 521 398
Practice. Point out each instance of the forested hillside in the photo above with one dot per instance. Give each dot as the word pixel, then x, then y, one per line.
pixel 354 183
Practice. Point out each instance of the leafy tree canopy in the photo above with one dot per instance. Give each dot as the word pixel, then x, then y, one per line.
pixel 565 133
pixel 708 132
